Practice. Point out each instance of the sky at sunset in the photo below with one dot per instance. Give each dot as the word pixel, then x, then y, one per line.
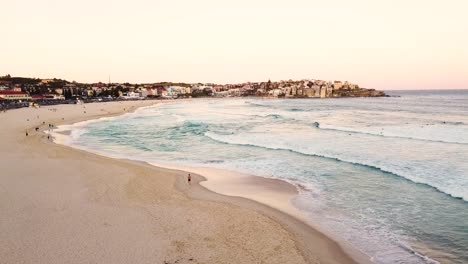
pixel 399 44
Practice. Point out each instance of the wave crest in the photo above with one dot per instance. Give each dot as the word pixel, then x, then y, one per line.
pixel 225 140
pixel 352 131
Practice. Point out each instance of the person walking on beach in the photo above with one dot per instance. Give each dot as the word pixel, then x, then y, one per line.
pixel 189 178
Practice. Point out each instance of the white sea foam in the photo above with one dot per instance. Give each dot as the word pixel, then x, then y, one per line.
pixel 436 132
pixel 458 189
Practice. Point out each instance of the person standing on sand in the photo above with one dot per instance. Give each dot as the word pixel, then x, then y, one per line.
pixel 189 178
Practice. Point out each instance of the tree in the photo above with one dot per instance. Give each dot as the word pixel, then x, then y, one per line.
pixel 115 92
pixel 268 85
pixel 67 94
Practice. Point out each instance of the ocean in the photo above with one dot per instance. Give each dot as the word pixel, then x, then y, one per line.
pixel 388 175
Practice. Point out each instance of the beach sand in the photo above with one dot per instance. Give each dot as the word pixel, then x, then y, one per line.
pixel 64 205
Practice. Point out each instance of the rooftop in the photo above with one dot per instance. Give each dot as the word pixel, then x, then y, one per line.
pixel 12 92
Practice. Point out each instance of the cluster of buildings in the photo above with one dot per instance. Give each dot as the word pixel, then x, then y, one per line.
pixel 310 88
pixel 28 89
pixel 12 91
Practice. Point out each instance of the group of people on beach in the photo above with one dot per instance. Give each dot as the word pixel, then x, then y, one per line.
pixel 51 126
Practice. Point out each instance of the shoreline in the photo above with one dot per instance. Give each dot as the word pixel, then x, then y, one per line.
pixel 302 233
pixel 272 196
pixel 276 194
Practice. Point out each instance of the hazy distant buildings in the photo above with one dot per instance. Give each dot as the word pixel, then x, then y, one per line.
pixel 19 88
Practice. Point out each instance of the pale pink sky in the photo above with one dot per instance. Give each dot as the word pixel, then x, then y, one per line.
pixel 398 44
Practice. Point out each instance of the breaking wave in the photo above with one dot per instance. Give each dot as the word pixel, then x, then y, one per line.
pixel 229 140
pixel 353 131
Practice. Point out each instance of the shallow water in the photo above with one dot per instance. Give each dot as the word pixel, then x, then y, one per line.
pixel 389 175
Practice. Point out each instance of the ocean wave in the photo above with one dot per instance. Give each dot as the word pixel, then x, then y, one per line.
pixel 258 105
pixel 351 131
pixel 297 110
pixel 455 123
pixel 416 180
pixel 274 116
pixel 193 124
pixel 423 257
pixel 187 127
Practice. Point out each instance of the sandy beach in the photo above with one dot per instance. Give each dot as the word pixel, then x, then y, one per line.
pixel 64 205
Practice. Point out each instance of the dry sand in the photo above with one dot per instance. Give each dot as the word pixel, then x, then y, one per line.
pixel 63 205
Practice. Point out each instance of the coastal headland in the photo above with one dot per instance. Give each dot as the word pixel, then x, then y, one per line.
pixel 16 92
pixel 64 205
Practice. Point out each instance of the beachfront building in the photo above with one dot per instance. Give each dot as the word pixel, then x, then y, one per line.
pixel 289 91
pixel 218 88
pixel 309 92
pixel 161 91
pixel 276 92
pixel 14 95
pixel 54 97
pixel 188 90
pixel 234 92
pixel 148 92
pixel 171 91
pixel 198 86
pixel 175 91
pixel 144 92
pixel 38 97
pixel 329 90
pixel 350 86
pixel 89 93
pixel 323 91
pixel 131 95
pixel 315 90
pixel 98 87
pixel 16 88
pixel 337 85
